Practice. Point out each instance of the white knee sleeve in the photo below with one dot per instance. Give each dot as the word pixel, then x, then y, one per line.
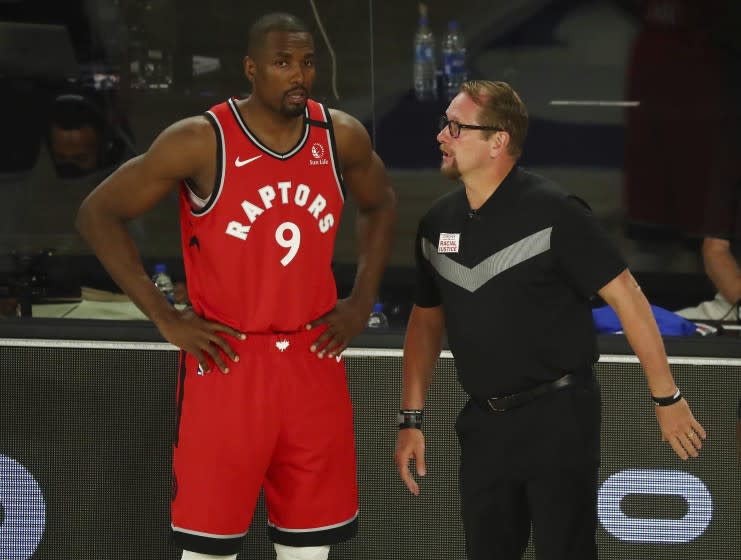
pixel 188 555
pixel 301 552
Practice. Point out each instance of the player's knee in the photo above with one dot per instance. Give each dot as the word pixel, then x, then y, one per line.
pixel 188 555
pixel 301 552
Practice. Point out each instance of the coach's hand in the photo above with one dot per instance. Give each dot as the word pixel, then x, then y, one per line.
pixel 344 322
pixel 204 339
pixel 410 444
pixel 680 429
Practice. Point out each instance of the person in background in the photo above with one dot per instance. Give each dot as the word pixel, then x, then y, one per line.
pixel 663 203
pixel 80 139
pixel 720 247
pixel 262 183
pixel 722 268
pixel 508 246
pixel 75 136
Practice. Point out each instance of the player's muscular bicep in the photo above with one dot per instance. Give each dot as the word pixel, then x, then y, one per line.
pixel 362 170
pixel 369 184
pixel 185 150
pixel 181 151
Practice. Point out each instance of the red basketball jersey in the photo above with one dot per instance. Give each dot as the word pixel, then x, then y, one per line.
pixel 258 253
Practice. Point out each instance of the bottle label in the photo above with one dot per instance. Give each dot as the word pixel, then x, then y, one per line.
pixel 454 63
pixel 377 320
pixel 423 53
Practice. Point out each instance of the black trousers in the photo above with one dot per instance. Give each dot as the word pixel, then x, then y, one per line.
pixel 535 465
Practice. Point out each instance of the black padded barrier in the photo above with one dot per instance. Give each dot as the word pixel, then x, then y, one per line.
pixel 85 435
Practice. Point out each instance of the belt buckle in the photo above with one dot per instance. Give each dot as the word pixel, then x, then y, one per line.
pixel 492 404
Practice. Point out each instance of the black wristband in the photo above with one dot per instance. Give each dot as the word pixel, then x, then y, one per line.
pixel 666 401
pixel 410 419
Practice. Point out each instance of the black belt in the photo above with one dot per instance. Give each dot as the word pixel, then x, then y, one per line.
pixel 503 404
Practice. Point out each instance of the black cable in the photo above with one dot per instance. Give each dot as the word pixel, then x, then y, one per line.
pixel 731 308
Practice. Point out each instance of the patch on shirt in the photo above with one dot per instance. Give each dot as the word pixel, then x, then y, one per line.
pixel 448 243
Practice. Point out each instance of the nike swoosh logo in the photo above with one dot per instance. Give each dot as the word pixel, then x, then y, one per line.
pixel 239 163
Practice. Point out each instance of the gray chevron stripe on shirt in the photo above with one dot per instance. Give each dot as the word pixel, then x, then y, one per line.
pixel 472 279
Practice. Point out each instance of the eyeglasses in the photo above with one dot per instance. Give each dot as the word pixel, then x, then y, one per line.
pixel 454 127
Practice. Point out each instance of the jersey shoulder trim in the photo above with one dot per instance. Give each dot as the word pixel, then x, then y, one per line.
pixel 334 153
pixel 220 166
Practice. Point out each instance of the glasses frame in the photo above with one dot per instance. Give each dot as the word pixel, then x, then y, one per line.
pixel 457 126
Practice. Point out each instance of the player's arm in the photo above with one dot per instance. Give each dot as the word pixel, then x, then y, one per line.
pixel 136 187
pixel 182 151
pixel 422 346
pixel 722 268
pixel 365 176
pixel 678 425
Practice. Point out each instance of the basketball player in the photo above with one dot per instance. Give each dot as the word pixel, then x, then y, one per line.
pixel 262 182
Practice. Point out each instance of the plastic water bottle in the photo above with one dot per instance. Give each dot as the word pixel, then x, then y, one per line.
pixel 425 81
pixel 377 318
pixel 163 282
pixel 454 60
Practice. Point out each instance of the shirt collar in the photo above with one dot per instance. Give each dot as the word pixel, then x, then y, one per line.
pixel 505 192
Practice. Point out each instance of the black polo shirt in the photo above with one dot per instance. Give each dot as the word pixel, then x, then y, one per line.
pixel 515 278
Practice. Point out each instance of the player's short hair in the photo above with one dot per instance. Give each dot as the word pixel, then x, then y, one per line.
pixel 276 21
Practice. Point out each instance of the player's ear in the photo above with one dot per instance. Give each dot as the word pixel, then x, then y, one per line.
pixel 249 68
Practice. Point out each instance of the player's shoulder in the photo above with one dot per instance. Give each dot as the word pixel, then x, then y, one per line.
pixel 195 126
pixel 343 119
pixel 189 134
pixel 188 143
pixel 347 126
pixel 352 138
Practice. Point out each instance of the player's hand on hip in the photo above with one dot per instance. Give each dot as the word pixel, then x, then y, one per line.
pixel 344 322
pixel 202 338
pixel 410 444
pixel 680 429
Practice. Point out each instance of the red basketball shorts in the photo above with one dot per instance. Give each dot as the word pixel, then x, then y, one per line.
pixel 281 419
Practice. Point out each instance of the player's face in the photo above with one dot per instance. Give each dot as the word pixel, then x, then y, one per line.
pixel 74 151
pixel 470 150
pixel 282 72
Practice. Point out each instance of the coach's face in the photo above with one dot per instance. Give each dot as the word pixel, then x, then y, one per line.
pixel 470 149
pixel 282 71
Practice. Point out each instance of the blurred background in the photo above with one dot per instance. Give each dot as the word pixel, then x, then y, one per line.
pixel 633 107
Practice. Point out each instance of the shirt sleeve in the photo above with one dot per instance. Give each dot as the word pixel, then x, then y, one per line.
pixel 584 251
pixel 426 293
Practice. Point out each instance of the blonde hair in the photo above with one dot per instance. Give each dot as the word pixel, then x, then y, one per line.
pixel 500 106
